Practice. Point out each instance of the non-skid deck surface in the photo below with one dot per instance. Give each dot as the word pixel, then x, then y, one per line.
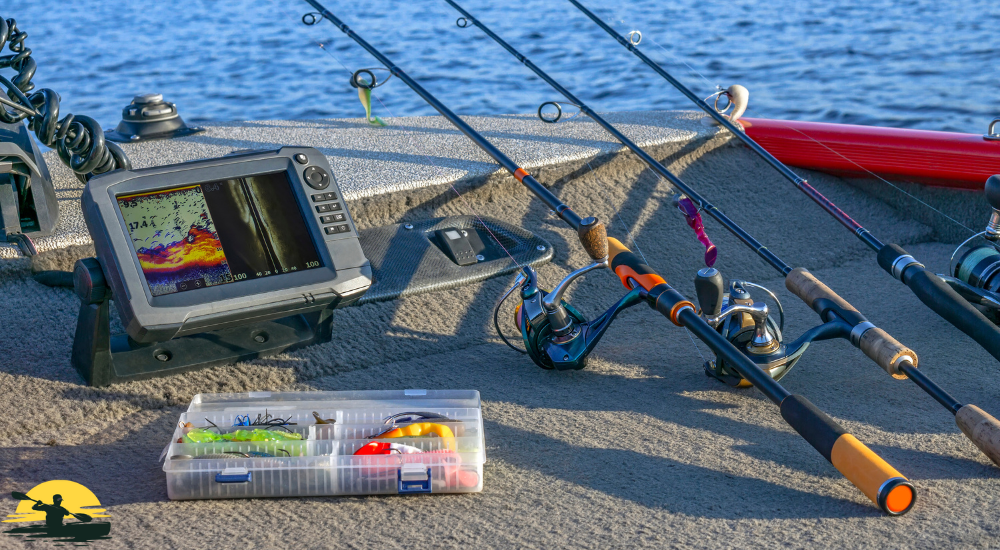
pixel 638 449
pixel 410 154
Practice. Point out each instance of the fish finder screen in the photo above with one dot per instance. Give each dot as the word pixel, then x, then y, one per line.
pixel 208 234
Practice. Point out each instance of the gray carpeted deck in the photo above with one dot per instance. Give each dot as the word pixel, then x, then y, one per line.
pixel 639 449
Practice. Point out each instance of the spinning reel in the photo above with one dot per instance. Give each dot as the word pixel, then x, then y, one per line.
pixel 747 324
pixel 975 263
pixel 557 336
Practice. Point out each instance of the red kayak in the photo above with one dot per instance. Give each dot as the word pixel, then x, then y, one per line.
pixel 943 159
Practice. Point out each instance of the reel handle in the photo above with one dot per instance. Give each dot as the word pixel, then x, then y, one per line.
pixel 876 343
pixel 709 287
pixel 993 197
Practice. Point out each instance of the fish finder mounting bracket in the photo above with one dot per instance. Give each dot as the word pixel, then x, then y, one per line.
pixel 212 262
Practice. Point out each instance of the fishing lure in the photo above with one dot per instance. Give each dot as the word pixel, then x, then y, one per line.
pixel 265 420
pixel 693 219
pixel 321 420
pixel 231 454
pixel 261 435
pixel 421 429
pixel 444 463
pixel 203 435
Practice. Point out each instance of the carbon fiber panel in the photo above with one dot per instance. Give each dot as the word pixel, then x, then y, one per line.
pixel 406 261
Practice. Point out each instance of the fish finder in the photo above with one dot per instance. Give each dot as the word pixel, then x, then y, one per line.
pixel 214 261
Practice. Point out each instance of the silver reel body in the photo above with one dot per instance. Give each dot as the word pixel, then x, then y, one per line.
pixel 748 324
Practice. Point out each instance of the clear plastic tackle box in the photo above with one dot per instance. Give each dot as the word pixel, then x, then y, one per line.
pixel 263 444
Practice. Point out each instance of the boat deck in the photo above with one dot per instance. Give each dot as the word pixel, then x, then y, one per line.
pixel 640 448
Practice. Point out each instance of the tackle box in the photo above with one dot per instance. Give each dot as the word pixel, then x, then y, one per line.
pixel 263 444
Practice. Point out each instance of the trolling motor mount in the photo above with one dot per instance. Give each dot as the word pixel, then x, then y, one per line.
pixel 149 117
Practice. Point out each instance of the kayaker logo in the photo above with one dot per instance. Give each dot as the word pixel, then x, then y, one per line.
pixel 68 512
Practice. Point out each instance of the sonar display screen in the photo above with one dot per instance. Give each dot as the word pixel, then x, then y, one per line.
pixel 208 234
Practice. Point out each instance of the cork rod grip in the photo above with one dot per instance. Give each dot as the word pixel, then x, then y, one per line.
pixel 807 287
pixel 876 343
pixel 886 351
pixel 982 429
pixel 594 238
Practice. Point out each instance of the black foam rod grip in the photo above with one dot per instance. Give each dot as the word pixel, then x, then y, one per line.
pixel 940 297
pixel 708 286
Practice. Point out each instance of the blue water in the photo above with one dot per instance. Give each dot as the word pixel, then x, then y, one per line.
pixel 928 64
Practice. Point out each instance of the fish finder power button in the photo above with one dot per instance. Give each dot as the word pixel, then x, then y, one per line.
pixel 316 177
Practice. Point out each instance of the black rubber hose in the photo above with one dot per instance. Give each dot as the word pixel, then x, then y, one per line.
pixel 942 299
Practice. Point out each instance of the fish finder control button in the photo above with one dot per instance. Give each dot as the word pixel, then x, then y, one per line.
pixel 316 177
pixel 332 218
pixel 320 197
pixel 300 158
pixel 335 229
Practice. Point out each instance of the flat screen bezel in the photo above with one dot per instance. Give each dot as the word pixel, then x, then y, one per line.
pixel 195 175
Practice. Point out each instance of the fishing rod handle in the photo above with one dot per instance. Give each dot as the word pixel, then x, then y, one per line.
pixel 879 481
pixel 876 478
pixel 940 297
pixel 876 343
pixel 980 427
pixel 633 271
pixel 594 238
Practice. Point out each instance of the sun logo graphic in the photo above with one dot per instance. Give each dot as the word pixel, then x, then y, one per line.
pixel 67 509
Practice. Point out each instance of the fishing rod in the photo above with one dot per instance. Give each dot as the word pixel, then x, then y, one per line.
pixel 979 426
pixel 565 332
pixel 936 293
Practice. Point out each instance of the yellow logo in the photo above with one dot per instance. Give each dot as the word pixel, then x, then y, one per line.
pixel 53 502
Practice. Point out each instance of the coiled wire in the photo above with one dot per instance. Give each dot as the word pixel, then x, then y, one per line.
pixel 78 140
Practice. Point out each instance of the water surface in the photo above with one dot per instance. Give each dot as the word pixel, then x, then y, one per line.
pixel 917 63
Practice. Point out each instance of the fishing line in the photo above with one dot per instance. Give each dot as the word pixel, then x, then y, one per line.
pixel 439 172
pixel 635 37
pixel 887 182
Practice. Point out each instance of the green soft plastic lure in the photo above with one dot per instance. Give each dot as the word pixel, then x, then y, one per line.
pixel 202 435
pixel 365 95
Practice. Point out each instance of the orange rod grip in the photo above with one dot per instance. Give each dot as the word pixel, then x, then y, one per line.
pixel 628 266
pixel 879 481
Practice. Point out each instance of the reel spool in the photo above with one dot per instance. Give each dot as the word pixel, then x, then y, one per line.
pixel 974 268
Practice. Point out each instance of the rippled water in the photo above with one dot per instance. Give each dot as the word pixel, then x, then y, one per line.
pixel 921 63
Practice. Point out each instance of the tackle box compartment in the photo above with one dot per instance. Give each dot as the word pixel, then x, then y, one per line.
pixel 289 444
